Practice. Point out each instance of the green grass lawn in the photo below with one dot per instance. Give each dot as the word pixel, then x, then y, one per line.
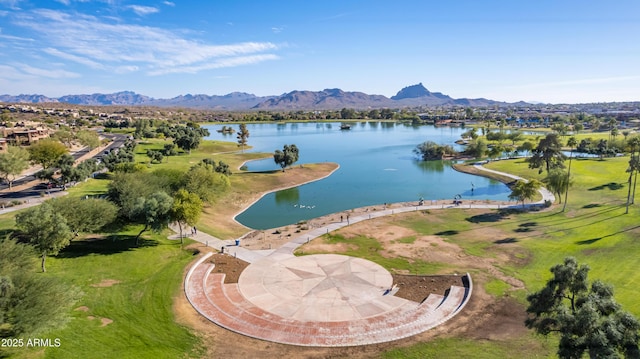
pixel 594 229
pixel 139 302
pixel 133 289
pixel 228 152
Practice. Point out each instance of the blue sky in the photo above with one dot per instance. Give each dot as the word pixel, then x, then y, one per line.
pixel 557 51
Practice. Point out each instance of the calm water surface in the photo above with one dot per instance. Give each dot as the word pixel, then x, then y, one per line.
pixel 377 166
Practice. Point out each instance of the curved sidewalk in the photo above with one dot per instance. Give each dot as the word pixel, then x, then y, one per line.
pixel 320 300
pixel 251 256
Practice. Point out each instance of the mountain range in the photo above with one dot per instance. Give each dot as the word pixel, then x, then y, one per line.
pixel 328 99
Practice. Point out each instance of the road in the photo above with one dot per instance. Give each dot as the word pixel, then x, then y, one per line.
pixel 31 188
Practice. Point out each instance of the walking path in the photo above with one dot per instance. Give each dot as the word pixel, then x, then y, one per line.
pixel 251 256
pixel 320 300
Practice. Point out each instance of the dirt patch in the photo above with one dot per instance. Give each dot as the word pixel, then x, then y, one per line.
pixel 105 283
pixel 105 321
pixel 418 288
pixel 83 308
pixel 232 267
pixel 484 318
pixel 91 317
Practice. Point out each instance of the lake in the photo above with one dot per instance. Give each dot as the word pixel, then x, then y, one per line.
pixel 377 165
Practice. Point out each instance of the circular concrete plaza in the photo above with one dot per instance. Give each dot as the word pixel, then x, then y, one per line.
pixel 327 287
pixel 316 300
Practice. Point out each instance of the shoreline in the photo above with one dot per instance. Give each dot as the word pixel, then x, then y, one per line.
pixel 275 237
pixel 280 189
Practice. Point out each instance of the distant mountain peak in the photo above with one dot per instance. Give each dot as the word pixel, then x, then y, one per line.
pixel 413 91
pixel 327 99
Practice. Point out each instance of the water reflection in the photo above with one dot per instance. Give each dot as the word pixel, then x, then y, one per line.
pixel 288 196
pixel 437 166
pixel 376 166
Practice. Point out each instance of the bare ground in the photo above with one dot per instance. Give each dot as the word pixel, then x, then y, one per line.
pixel 484 318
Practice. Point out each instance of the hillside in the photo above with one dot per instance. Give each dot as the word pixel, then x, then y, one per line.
pixel 328 99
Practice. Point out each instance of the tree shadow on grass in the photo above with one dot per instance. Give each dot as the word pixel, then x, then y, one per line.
pixel 592 205
pixel 506 240
pixel 447 233
pixel 611 186
pixel 488 217
pixel 593 240
pixel 7 233
pixel 589 241
pixel 525 227
pixel 113 244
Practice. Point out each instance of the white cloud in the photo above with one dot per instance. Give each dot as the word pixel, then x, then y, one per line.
pixel 15 38
pixel 277 30
pixel 102 43
pixel 222 63
pixel 50 73
pixel 10 73
pixel 169 3
pixel 143 10
pixel 126 69
pixel 12 4
pixel 81 60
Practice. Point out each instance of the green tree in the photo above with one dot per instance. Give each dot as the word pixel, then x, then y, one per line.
pixel 286 157
pixel 548 154
pixel 572 142
pixel 602 148
pixel 634 167
pixel 242 136
pixel 123 155
pixel 189 137
pixel 124 190
pixel 477 148
pixel 205 182
pixel 85 215
pixel 515 136
pixel 347 113
pixel 186 210
pixel 65 136
pixel 153 212
pixel 47 230
pixel 29 303
pixel 527 147
pixel 495 151
pixel 67 170
pixel 13 163
pixel 88 138
pixel 430 150
pixel 524 190
pixel 169 150
pixel 46 152
pixel 187 141
pixel 558 182
pixel 587 318
pixel 155 156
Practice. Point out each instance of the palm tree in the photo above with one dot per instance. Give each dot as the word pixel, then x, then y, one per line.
pixel 572 143
pixel 524 190
pixel 557 181
pixel 634 167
